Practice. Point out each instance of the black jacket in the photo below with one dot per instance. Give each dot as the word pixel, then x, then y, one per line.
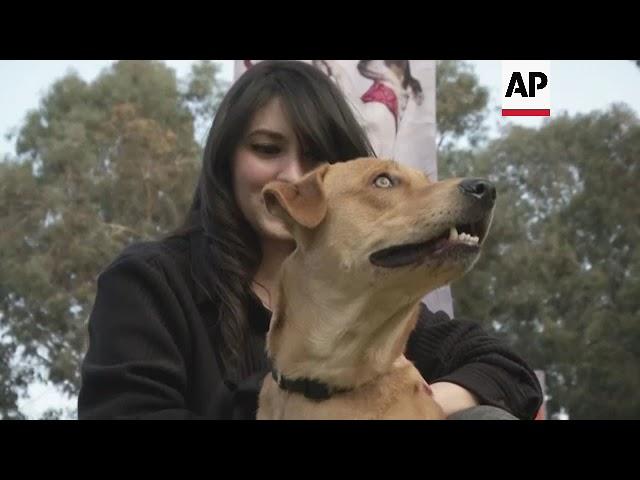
pixel 152 338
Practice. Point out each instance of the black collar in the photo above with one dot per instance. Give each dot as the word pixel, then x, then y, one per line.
pixel 312 389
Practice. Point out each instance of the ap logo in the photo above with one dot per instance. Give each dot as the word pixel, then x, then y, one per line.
pixel 526 88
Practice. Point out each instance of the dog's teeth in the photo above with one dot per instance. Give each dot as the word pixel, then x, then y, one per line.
pixel 462 237
pixel 467 239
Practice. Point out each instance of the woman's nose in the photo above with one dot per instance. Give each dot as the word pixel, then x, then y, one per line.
pixel 292 171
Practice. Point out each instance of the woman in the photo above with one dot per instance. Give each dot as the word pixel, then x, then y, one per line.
pixel 178 326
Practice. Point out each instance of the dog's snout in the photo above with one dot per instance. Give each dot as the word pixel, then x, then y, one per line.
pixel 479 188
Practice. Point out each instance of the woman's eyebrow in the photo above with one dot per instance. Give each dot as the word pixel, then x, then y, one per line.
pixel 269 133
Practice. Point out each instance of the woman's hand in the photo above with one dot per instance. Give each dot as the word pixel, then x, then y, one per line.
pixel 452 398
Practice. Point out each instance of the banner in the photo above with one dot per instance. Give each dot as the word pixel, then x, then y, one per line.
pixel 395 101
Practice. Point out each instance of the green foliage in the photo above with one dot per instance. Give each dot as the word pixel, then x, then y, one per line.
pixel 560 273
pixel 99 165
pixel 461 103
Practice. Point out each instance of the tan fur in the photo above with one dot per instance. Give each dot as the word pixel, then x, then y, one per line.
pixel 337 317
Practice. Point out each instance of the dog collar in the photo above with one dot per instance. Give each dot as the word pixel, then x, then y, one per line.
pixel 312 389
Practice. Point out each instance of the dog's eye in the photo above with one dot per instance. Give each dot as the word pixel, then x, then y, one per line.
pixel 383 181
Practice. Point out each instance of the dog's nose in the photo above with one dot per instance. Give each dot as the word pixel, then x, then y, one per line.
pixel 479 188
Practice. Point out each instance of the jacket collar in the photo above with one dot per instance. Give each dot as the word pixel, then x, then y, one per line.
pixel 201 264
pixel 200 258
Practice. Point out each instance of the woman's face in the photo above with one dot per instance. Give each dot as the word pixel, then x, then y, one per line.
pixel 269 151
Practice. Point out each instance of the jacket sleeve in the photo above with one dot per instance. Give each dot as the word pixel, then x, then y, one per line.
pixel 135 364
pixel 461 352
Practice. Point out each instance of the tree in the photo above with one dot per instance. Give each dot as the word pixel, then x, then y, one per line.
pixel 99 165
pixel 14 380
pixel 461 104
pixel 560 273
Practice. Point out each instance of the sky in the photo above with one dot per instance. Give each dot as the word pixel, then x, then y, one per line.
pixel 577 86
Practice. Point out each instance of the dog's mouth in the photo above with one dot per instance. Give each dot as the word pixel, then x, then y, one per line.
pixel 463 238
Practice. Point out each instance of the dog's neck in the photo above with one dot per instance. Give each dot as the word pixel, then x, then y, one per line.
pixel 339 339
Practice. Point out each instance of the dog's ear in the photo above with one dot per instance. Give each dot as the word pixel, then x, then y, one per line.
pixel 303 202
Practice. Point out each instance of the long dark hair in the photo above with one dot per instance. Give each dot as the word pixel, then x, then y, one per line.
pixel 324 124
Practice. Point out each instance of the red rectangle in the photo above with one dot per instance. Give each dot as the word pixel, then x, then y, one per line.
pixel 506 112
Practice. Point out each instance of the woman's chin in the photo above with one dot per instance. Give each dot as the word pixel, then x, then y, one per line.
pixel 276 231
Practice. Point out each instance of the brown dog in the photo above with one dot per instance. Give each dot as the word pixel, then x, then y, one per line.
pixel 373 238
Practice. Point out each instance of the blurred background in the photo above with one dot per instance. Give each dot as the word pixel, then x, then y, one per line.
pixel 96 154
